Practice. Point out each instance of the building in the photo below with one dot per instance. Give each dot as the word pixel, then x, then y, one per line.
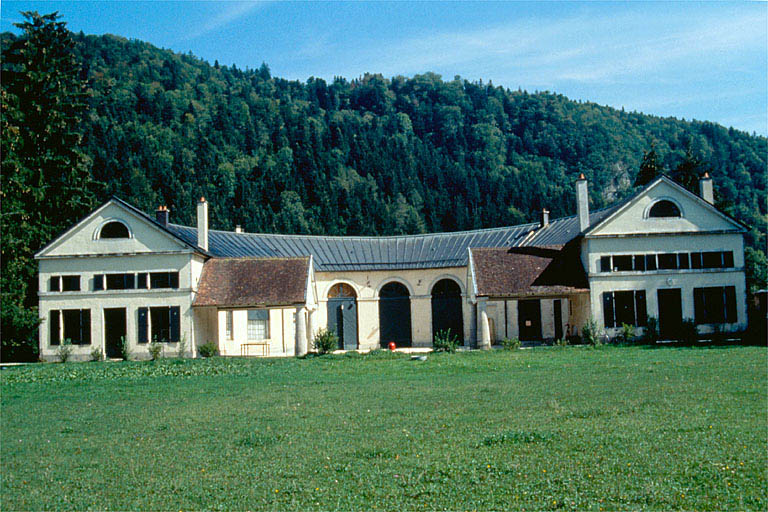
pixel 121 276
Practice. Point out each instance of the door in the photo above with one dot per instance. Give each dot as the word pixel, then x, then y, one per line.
pixel 342 315
pixel 395 315
pixel 558 314
pixel 114 330
pixel 529 319
pixel 670 313
pixel 446 309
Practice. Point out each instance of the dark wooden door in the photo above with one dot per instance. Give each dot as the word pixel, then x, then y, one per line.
pixel 446 309
pixel 342 319
pixel 558 314
pixel 670 313
pixel 529 319
pixel 395 315
pixel 114 330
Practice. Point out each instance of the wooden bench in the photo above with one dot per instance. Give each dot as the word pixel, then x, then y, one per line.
pixel 264 344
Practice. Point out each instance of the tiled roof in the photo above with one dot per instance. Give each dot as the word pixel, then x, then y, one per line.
pixel 521 271
pixel 345 253
pixel 241 282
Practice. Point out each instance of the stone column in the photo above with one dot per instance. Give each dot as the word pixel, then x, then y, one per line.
pixel 312 326
pixel 301 332
pixel 483 329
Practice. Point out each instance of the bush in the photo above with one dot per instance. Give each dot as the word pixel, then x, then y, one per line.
pixel 155 349
pixel 125 350
pixel 627 333
pixel 96 354
pixel 591 334
pixel 651 335
pixel 445 341
pixel 688 334
pixel 562 342
pixel 325 341
pixel 208 349
pixel 64 351
pixel 510 343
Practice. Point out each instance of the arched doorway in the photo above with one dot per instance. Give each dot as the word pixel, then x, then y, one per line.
pixel 395 315
pixel 342 315
pixel 447 312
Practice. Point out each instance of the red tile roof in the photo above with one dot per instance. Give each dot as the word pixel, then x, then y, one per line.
pixel 242 282
pixel 528 271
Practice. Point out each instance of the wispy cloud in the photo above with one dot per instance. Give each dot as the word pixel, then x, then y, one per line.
pixel 232 12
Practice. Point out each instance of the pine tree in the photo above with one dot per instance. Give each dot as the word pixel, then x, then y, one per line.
pixel 650 168
pixel 46 184
pixel 688 172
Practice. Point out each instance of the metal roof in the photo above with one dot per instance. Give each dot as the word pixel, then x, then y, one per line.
pixel 346 253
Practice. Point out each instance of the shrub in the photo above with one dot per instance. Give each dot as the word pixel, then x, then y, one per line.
pixel 591 333
pixel 688 334
pixel 96 354
pixel 64 351
pixel 562 342
pixel 627 333
pixel 155 349
pixel 208 349
pixel 325 341
pixel 125 349
pixel 651 335
pixel 510 343
pixel 445 341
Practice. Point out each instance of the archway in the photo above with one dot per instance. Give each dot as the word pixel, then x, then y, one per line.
pixel 447 312
pixel 342 315
pixel 395 315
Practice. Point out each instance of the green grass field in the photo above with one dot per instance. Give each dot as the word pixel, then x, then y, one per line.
pixel 573 428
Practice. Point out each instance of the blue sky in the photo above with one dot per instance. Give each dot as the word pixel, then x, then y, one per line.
pixel 706 61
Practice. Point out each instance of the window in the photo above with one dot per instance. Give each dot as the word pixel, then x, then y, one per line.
pixel 64 284
pixel 229 325
pixel 639 262
pixel 650 262
pixel 114 229
pixel 163 280
pixel 120 281
pixel 667 261
pixel 624 307
pixel 622 263
pixel 695 260
pixel 605 264
pixel 715 305
pixel 682 260
pixel 163 323
pixel 70 324
pixel 728 259
pixel 664 208
pixel 258 324
pixel 142 281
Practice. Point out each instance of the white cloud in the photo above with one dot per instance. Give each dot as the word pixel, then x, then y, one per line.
pixel 233 11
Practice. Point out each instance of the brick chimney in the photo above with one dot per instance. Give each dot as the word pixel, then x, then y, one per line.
pixel 705 188
pixel 161 216
pixel 202 224
pixel 582 202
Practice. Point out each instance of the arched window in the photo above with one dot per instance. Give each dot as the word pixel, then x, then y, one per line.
pixel 114 229
pixel 341 291
pixel 664 208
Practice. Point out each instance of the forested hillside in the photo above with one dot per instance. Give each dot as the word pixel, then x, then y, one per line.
pixel 375 155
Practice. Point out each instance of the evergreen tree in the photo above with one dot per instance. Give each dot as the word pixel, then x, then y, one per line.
pixel 688 172
pixel 46 185
pixel 650 168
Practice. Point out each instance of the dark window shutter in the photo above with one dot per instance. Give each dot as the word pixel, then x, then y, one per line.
pixel 175 324
pixel 54 284
pixel 641 309
pixel 98 282
pixel 85 326
pixel 728 259
pixel 608 309
pixel 730 305
pixel 143 326
pixel 699 309
pixel 142 280
pixel 174 279
pixel 605 264
pixel 54 319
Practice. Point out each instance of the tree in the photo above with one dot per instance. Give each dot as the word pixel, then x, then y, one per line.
pixel 688 172
pixel 46 184
pixel 650 168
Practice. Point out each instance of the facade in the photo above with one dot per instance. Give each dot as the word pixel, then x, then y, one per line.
pixel 122 278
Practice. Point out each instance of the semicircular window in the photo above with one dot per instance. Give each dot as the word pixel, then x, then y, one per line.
pixel 664 209
pixel 114 229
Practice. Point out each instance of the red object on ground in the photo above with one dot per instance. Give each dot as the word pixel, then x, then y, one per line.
pixel 392 346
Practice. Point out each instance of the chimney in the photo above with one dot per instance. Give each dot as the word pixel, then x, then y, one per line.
pixel 544 218
pixel 202 224
pixel 161 216
pixel 705 188
pixel 582 202
pixel 238 229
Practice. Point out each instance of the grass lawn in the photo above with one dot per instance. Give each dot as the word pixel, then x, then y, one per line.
pixel 573 428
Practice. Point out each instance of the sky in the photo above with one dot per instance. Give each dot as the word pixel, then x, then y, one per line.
pixel 705 61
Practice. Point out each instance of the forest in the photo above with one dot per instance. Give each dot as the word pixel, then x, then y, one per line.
pixel 371 155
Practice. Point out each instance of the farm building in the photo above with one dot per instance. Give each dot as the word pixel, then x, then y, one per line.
pixel 122 276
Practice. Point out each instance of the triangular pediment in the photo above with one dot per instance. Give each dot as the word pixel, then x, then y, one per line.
pixel 85 238
pixel 634 218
